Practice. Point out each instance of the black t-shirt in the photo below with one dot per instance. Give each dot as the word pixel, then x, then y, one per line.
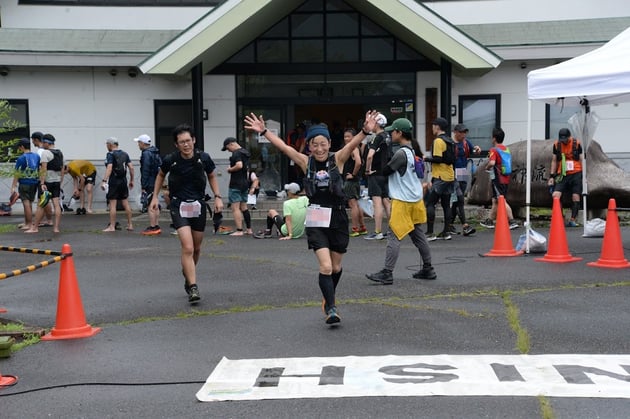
pixel 239 180
pixel 381 152
pixel 187 177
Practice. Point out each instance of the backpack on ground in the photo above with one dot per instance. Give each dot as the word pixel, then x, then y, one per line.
pixel 119 166
pixel 506 161
pixel 56 163
pixel 448 157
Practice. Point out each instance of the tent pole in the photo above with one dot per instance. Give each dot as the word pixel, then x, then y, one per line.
pixel 585 142
pixel 528 181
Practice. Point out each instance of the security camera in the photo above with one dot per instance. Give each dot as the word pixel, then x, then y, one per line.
pixel 113 72
pixel 523 65
pixel 4 71
pixel 132 72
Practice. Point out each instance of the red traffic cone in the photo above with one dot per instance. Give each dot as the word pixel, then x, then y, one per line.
pixel 558 250
pixel 7 380
pixel 70 323
pixel 612 247
pixel 502 238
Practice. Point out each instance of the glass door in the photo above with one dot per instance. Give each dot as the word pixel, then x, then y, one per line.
pixel 268 163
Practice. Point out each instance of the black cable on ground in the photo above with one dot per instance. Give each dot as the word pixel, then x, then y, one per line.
pixel 159 383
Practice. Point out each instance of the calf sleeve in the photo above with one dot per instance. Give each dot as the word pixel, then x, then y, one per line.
pixel 575 207
pixel 328 289
pixel 248 219
pixel 336 276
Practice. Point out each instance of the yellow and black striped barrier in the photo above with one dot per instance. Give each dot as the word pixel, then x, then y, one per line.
pixel 58 257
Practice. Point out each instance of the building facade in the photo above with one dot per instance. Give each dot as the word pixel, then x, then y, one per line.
pixel 86 70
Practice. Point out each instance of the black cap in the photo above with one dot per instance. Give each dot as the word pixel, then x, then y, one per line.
pixel 564 134
pixel 227 141
pixel 37 135
pixel 460 128
pixel 24 142
pixel 441 122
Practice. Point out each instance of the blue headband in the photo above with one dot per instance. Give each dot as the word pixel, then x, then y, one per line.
pixel 315 130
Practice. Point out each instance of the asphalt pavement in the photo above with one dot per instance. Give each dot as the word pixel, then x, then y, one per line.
pixel 260 300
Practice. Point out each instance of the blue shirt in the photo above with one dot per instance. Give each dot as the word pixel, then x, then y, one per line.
pixel 28 166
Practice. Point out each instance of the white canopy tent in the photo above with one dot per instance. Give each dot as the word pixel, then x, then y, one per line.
pixel 599 77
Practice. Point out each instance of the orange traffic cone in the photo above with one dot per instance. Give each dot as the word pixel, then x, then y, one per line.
pixel 612 248
pixel 70 322
pixel 558 250
pixel 502 238
pixel 7 380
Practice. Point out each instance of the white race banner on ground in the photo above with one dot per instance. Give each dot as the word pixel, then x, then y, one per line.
pixel 605 376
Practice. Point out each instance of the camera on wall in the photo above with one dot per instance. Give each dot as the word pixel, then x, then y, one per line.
pixel 4 71
pixel 113 72
pixel 133 73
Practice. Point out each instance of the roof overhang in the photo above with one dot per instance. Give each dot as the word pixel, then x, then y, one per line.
pixel 229 27
pixel 218 35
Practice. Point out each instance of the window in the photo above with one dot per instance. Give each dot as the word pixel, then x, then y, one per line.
pixel 480 113
pixel 326 32
pixel 20 115
pixel 168 115
pixel 557 117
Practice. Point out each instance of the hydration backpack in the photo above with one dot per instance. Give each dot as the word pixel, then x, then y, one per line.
pixel 449 155
pixel 57 162
pixel 119 168
pixel 506 160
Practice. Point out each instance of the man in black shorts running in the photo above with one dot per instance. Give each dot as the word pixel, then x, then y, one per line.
pixel 188 169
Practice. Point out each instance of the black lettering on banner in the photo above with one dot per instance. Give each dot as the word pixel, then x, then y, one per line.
pixel 434 377
pixel 576 374
pixel 270 377
pixel 505 372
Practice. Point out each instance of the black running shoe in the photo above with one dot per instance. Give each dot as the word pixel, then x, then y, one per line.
pixel 193 295
pixel 425 273
pixel 383 276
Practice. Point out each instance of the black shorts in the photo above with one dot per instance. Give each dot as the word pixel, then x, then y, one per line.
pixel 196 224
pixel 336 237
pixel 54 188
pixel 352 189
pixel 27 191
pixel 499 189
pixel 570 184
pixel 378 186
pixel 90 179
pixel 118 189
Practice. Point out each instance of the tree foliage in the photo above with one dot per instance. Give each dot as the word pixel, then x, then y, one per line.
pixel 8 147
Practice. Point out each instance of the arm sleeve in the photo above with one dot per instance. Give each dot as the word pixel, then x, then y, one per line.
pixel 398 163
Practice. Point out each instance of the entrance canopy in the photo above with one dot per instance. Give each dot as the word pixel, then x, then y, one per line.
pixel 229 27
pixel 601 76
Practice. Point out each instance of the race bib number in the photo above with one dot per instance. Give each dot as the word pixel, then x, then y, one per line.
pixel 317 216
pixel 190 209
pixel 461 173
pixel 570 165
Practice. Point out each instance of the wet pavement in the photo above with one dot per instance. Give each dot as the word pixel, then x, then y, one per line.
pixel 260 299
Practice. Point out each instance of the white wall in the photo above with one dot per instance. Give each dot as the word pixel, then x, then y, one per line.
pixel 501 11
pixel 82 108
pixel 510 81
pixel 87 17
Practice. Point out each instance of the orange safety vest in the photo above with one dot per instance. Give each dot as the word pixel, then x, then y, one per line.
pixel 571 156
